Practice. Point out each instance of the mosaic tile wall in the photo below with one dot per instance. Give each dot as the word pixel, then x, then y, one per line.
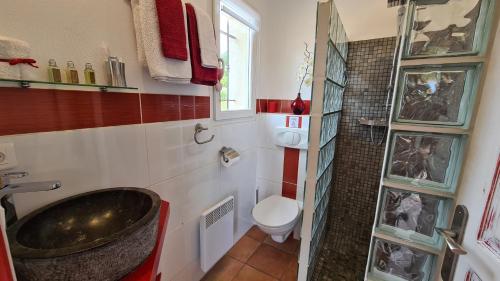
pixel 358 163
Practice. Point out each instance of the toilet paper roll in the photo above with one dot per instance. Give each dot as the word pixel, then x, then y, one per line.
pixel 229 156
pixel 228 162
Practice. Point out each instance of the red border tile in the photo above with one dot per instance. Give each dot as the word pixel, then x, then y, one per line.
pixel 187 107
pixel 274 106
pixel 291 165
pixel 160 108
pixel 46 110
pixel 286 106
pixel 261 105
pixel 42 110
pixel 202 107
pixel 307 109
pixel 290 172
pixel 289 190
pixel 282 106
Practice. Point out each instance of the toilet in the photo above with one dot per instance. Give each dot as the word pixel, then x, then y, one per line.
pixel 277 216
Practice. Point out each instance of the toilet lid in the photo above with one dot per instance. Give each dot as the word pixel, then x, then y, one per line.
pixel 276 211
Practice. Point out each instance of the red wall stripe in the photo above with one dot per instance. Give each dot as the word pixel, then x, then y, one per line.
pixel 187 107
pixel 202 107
pixel 279 106
pixel 46 110
pixel 290 172
pixel 40 110
pixel 5 272
pixel 159 108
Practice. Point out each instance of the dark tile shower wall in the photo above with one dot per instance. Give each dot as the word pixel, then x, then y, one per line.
pixel 358 163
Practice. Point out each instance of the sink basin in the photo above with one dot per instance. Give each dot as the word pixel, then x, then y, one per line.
pixel 99 235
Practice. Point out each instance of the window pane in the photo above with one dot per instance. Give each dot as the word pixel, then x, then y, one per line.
pixel 236 52
pixel 224 81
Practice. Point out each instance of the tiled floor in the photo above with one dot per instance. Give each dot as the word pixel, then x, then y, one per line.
pixel 256 257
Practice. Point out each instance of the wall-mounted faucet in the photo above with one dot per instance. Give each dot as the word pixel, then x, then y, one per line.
pixel 7 188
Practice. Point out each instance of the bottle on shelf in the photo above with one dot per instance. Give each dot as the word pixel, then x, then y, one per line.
pixel 54 72
pixel 89 74
pixel 72 73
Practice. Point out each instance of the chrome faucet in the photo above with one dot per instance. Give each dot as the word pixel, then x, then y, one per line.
pixel 7 188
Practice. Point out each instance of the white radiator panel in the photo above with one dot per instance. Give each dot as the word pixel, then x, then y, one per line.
pixel 216 232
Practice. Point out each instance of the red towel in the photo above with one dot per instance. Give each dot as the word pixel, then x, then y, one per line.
pixel 172 29
pixel 201 75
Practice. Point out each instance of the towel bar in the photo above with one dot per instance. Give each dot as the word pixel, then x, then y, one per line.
pixel 197 130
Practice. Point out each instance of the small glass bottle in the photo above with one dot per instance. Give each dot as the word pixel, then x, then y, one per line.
pixel 72 73
pixel 89 74
pixel 54 72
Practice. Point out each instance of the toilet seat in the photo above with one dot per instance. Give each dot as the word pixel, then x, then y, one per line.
pixel 276 211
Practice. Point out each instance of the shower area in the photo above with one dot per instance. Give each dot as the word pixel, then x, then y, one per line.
pixel 358 163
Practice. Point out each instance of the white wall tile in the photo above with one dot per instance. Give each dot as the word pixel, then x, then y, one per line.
pixel 172 192
pixel 201 189
pixel 267 124
pixel 164 145
pixel 268 188
pixel 240 136
pixel 195 155
pixel 173 257
pixel 82 160
pixel 270 164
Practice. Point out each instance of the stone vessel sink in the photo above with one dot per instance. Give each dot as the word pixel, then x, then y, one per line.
pixel 99 235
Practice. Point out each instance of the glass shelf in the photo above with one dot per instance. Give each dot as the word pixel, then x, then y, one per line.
pixel 27 84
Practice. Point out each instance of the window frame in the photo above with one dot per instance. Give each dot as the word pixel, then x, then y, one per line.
pixel 254 59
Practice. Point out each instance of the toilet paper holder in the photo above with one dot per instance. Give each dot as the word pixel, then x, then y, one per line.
pixel 229 156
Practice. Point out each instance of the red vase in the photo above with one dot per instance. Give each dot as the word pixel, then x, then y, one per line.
pixel 298 105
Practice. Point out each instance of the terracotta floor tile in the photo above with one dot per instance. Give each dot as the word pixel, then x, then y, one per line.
pixel 244 248
pixel 270 260
pixel 225 270
pixel 292 271
pixel 289 246
pixel 248 273
pixel 256 234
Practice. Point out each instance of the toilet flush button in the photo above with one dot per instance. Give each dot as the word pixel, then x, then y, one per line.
pixel 288 138
pixel 296 139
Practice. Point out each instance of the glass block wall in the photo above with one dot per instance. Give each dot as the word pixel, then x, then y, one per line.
pixel 330 78
pixel 434 103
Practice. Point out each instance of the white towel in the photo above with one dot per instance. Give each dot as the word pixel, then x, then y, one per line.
pixel 206 36
pixel 11 48
pixel 160 67
pixel 136 13
pixel 10 71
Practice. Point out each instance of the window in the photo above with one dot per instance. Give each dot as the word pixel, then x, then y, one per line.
pixel 237 25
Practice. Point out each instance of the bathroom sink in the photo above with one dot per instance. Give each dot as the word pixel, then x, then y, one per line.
pixel 99 235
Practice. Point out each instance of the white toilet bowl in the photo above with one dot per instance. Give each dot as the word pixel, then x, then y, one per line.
pixel 277 216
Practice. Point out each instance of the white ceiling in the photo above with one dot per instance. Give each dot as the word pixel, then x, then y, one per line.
pixel 367 19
